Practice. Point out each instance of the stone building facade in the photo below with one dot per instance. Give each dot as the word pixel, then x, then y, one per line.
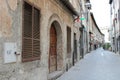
pixel 114 30
pixel 84 29
pixel 38 39
pixel 96 36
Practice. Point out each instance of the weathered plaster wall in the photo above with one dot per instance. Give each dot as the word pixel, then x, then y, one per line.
pixel 6 19
pixel 10 31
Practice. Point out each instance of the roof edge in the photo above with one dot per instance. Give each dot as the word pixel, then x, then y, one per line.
pixel 69 6
pixel 96 23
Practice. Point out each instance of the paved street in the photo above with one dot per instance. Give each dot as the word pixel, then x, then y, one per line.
pixel 97 65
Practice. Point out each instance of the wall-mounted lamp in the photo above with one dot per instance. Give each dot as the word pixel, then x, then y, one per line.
pixel 88 5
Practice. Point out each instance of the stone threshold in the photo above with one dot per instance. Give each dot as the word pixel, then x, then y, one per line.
pixel 54 75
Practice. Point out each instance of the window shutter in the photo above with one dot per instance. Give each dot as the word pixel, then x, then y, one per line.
pixel 27 20
pixel 36 34
pixel 27 32
pixel 31 33
pixel 36 29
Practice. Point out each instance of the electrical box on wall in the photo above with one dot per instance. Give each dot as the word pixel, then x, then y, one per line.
pixel 9 52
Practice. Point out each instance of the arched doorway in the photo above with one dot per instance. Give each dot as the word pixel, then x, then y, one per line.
pixel 55 49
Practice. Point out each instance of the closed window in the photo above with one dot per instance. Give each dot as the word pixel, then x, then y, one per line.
pixel 31 33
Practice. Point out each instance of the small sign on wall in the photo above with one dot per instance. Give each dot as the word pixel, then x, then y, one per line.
pixel 9 52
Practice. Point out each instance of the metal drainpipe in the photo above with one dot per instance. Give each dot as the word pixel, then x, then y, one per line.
pixel 88 30
pixel 83 43
pixel 115 36
pixel 119 29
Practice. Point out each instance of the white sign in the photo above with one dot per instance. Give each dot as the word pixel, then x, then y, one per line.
pixel 9 52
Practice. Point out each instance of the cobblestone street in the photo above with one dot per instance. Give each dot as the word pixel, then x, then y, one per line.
pixel 97 65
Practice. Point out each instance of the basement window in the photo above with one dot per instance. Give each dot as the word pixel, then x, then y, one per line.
pixel 31 33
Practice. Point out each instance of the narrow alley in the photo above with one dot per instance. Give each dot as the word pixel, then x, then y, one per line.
pixel 97 65
pixel 59 39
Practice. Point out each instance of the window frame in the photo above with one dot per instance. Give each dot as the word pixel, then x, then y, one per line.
pixel 32 24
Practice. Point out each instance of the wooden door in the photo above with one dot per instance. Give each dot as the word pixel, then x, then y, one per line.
pixel 75 50
pixel 53 52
